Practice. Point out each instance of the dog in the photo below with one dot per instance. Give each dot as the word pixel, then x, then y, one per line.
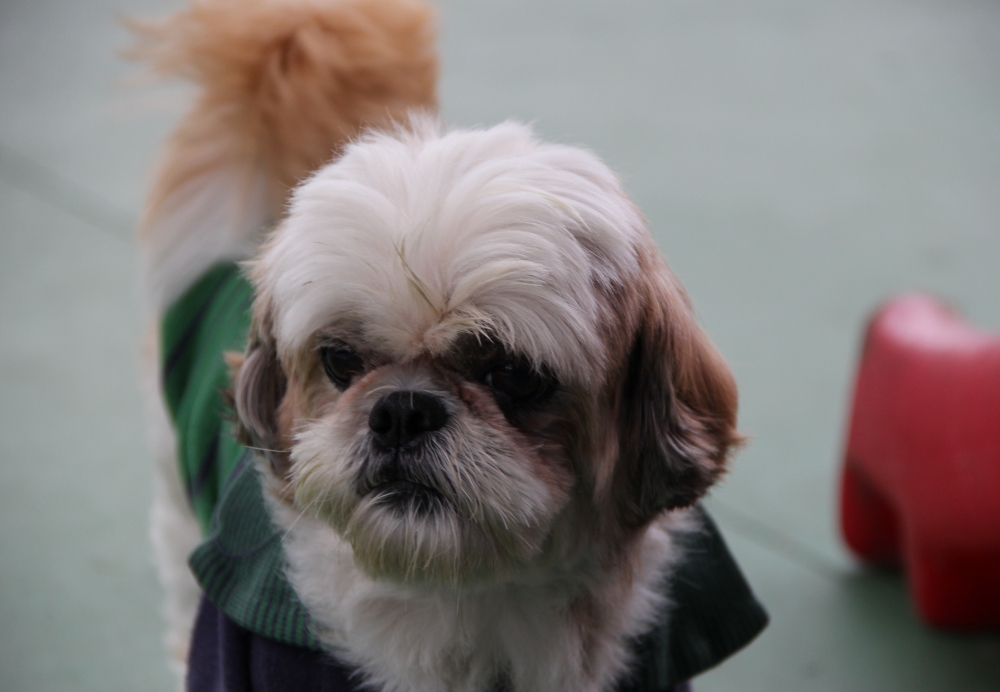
pixel 480 408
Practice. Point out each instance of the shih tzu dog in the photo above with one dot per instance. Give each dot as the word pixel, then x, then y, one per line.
pixel 479 405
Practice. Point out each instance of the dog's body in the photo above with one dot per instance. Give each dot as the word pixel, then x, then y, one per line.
pixel 479 397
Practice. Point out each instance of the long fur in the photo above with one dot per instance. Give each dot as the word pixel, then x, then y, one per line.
pixel 418 247
pixel 489 230
pixel 424 249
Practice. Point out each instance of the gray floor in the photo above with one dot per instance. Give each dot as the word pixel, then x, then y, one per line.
pixel 798 161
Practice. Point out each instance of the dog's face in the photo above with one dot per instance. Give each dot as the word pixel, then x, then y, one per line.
pixel 468 358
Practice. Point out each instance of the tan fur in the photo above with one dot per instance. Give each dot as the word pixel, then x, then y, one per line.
pixel 688 394
pixel 286 83
pixel 680 406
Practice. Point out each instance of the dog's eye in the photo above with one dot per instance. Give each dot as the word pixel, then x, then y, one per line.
pixel 341 363
pixel 517 382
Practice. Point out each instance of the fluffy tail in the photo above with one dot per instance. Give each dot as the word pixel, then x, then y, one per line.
pixel 283 85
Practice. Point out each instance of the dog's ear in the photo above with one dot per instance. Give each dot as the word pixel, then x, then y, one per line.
pixel 677 406
pixel 259 386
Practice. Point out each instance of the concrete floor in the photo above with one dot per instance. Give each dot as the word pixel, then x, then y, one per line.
pixel 799 162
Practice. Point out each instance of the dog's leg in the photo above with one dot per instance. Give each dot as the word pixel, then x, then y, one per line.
pixel 174 528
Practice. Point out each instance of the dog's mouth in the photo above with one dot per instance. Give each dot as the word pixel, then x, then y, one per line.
pixel 407 496
pixel 397 483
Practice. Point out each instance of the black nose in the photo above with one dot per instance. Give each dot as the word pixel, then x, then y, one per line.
pixel 400 417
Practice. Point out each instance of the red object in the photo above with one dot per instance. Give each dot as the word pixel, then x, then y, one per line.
pixel 921 481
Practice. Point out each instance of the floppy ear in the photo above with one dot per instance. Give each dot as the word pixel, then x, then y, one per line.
pixel 259 387
pixel 677 407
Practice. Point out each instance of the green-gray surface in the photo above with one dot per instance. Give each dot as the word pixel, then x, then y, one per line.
pixel 799 161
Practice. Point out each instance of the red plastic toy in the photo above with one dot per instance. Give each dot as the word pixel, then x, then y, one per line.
pixel 921 481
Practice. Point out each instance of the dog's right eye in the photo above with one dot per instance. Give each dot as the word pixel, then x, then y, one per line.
pixel 340 363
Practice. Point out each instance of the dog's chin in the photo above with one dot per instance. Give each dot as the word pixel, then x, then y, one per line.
pixel 406 497
pixel 408 532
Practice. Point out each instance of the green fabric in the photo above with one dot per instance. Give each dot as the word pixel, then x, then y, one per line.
pixel 714 614
pixel 241 564
pixel 211 318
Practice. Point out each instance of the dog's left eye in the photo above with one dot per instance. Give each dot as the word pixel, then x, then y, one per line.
pixel 517 382
pixel 341 363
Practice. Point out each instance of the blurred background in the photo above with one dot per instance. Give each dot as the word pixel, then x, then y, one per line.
pixel 798 161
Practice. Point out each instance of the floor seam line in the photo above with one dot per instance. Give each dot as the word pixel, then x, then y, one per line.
pixel 769 538
pixel 26 174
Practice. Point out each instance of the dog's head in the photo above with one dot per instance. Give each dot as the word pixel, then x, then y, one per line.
pixel 468 357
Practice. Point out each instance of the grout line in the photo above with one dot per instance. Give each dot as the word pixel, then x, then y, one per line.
pixel 49 186
pixel 776 541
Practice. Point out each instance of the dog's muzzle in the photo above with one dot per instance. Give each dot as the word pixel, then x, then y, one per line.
pixel 401 424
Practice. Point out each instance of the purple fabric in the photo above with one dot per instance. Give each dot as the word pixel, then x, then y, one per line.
pixel 227 658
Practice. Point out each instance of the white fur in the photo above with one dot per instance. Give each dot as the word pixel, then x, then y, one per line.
pixel 218 216
pixel 418 235
pixel 426 639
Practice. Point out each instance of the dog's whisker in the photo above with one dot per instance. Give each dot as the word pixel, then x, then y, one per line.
pixel 265 449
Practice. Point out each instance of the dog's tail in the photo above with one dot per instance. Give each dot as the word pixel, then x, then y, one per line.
pixel 282 86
